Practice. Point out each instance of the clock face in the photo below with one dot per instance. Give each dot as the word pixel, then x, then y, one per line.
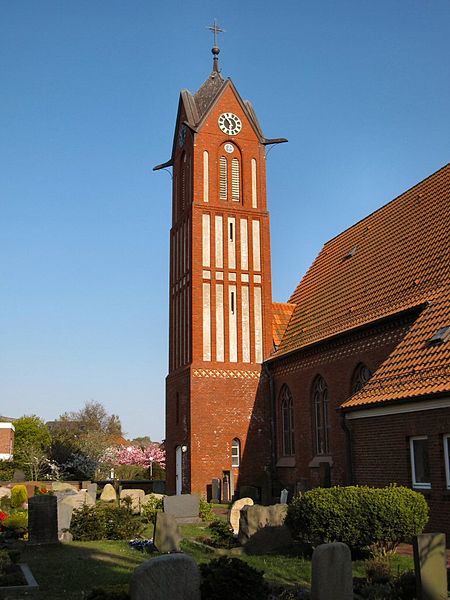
pixel 229 123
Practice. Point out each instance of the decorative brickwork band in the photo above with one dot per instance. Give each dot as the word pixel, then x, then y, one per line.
pixel 226 374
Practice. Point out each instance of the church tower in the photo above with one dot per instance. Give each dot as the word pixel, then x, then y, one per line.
pixel 217 416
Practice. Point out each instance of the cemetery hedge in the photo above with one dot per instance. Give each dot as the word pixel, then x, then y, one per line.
pixel 103 522
pixel 378 519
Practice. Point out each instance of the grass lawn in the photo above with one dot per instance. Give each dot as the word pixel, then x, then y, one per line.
pixel 67 571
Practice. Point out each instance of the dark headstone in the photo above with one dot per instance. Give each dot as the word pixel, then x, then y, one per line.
pixel 331 572
pixel 430 564
pixel 43 520
pixel 185 507
pixel 19 476
pixel 215 490
pixel 167 534
pixel 173 577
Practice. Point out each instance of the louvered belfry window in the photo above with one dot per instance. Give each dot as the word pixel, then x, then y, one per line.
pixel 235 180
pixel 223 178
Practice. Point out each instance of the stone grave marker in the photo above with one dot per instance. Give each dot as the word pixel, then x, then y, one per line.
pixel 185 507
pixel 235 513
pixel 173 577
pixel 108 494
pixel 262 529
pixel 284 496
pixel 42 520
pixel 5 492
pixel 167 534
pixel 215 490
pixel 19 476
pixel 430 564
pixel 331 574
pixel 61 486
pixel 91 489
pixel 136 497
pixel 67 502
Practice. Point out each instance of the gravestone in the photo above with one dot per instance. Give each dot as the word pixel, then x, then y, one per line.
pixel 167 534
pixel 249 491
pixel 19 476
pixel 284 496
pixel 67 503
pixel 42 520
pixel 235 513
pixel 262 529
pixel 61 486
pixel 136 497
pixel 185 507
pixel 331 572
pixel 215 490
pixel 173 577
pixel 108 494
pixel 430 564
pixel 91 489
pixel 5 492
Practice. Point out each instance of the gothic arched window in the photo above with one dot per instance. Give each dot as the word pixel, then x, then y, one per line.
pixel 321 425
pixel 361 376
pixel 287 420
pixel 235 453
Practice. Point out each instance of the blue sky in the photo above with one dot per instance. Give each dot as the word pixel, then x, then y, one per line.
pixel 89 94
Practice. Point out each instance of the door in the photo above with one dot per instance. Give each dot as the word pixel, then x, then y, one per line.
pixel 178 470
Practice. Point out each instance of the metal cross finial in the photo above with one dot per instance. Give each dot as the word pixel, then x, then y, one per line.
pixel 215 29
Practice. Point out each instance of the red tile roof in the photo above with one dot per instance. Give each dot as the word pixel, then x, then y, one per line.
pixel 281 313
pixel 396 258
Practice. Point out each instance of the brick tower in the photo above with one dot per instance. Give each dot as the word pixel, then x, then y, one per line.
pixel 217 416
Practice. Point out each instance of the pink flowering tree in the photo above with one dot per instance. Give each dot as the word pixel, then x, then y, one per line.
pixel 153 454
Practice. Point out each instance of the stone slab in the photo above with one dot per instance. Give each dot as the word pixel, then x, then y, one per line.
pixel 331 572
pixel 167 534
pixel 262 529
pixel 430 563
pixel 185 507
pixel 42 520
pixel 136 497
pixel 235 513
pixel 172 577
pixel 108 494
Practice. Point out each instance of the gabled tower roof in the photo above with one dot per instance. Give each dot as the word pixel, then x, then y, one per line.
pixel 197 106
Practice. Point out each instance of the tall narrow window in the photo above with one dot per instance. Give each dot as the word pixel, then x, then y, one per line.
pixel 235 180
pixel 254 190
pixel 446 440
pixel 420 464
pixel 223 191
pixel 320 401
pixel 235 453
pixel 205 176
pixel 361 376
pixel 287 419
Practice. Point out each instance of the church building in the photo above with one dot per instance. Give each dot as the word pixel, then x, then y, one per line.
pixel 349 381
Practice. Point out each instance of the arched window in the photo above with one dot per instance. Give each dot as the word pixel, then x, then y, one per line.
pixel 223 187
pixel 320 402
pixel 287 420
pixel 235 453
pixel 361 376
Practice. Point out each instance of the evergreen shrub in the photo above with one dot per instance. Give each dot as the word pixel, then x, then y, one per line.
pixel 360 516
pixel 19 495
pixel 205 510
pixel 100 522
pixel 228 578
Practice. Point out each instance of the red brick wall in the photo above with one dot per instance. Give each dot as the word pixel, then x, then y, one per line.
pixel 380 448
pixel 335 362
pixel 6 440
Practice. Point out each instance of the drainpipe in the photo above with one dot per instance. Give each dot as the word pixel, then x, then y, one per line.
pixel 348 445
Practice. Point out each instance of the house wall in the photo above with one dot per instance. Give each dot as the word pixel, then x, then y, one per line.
pixel 381 455
pixel 6 441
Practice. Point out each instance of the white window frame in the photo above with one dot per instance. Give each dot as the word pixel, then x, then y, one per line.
pixel 420 485
pixel 446 439
pixel 236 457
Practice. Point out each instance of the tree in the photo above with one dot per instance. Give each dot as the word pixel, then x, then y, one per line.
pixel 93 418
pixel 31 445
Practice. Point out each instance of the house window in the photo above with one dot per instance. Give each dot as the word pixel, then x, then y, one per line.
pixel 320 401
pixel 287 419
pixel 235 453
pixel 361 376
pixel 420 465
pixel 447 458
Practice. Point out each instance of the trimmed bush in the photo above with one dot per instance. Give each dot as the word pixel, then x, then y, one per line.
pixel 19 495
pixel 103 522
pixel 361 517
pixel 228 578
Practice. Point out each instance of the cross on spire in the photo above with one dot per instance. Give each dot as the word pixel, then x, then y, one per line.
pixel 215 50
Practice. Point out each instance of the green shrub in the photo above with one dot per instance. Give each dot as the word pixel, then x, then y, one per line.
pixel 362 517
pixel 19 495
pixel 206 510
pixel 152 505
pixel 104 522
pixel 228 578
pixel 220 535
pixel 7 468
pixel 17 521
